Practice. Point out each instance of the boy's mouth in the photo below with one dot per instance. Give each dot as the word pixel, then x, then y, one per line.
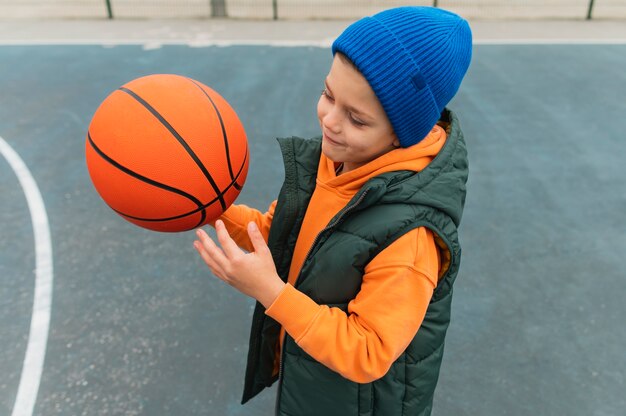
pixel 330 139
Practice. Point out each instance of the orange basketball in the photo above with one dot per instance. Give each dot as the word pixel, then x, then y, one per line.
pixel 167 153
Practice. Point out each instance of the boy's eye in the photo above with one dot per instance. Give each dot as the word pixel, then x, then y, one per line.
pixel 356 121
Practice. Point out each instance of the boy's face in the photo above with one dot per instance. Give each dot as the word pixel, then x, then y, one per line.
pixel 354 125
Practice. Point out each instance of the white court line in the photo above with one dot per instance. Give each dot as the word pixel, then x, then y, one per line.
pixel 321 43
pixel 555 41
pixel 40 321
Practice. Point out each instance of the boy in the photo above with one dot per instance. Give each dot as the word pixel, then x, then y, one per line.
pixel 353 265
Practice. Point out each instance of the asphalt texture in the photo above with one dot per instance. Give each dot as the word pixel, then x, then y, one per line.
pixel 140 327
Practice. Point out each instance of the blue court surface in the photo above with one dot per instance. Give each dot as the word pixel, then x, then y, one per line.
pixel 138 326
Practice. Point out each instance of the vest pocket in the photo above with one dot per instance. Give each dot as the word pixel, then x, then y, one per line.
pixel 309 388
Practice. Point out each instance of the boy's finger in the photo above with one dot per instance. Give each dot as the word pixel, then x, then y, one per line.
pixel 228 244
pixel 256 238
pixel 212 250
pixel 203 237
pixel 207 259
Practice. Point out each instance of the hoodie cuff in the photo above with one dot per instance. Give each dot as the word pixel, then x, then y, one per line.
pixel 294 310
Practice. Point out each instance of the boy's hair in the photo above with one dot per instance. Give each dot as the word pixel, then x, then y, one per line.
pixel 414 58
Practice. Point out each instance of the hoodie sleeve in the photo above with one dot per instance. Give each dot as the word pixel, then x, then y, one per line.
pixel 237 217
pixel 382 319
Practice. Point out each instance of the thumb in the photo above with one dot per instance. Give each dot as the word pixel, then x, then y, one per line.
pixel 256 238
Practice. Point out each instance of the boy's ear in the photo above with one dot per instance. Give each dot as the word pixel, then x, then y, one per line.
pixel 396 141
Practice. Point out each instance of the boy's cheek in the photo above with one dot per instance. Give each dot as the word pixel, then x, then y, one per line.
pixel 321 111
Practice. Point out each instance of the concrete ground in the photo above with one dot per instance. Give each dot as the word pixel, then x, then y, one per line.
pixel 138 325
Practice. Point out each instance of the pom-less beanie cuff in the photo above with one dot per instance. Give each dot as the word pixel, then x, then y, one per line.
pixel 414 59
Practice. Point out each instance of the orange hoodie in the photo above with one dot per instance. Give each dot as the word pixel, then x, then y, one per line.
pixel 397 285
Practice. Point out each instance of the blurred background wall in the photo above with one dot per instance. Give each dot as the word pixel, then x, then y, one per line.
pixel 306 9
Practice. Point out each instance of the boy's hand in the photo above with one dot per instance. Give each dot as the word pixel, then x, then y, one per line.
pixel 253 274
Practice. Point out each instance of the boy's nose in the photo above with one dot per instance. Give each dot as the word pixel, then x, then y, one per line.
pixel 332 121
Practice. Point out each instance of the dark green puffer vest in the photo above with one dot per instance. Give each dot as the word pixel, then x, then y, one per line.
pixel 387 207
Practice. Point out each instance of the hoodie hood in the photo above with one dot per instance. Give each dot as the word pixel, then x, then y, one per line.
pixel 414 158
pixel 440 185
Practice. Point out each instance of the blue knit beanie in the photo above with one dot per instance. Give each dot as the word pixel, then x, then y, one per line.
pixel 414 58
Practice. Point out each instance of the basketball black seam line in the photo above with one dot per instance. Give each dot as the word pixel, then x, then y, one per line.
pixel 145 179
pixel 224 135
pixel 201 207
pixel 178 137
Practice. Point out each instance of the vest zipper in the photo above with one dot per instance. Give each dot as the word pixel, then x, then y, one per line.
pixel 315 241
pixel 329 226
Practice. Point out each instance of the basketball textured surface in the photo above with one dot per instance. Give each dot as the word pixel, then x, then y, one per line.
pixel 167 153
